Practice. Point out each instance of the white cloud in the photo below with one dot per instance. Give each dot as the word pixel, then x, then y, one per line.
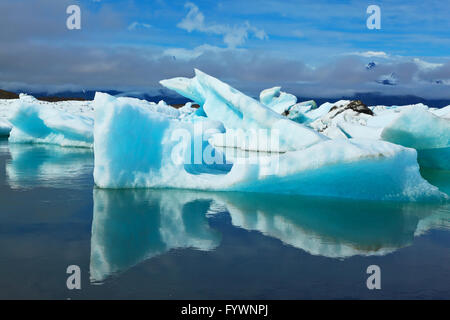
pixel 424 65
pixel 232 36
pixel 135 25
pixel 298 34
pixel 189 54
pixel 372 54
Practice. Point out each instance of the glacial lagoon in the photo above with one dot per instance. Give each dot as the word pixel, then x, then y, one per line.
pixel 179 244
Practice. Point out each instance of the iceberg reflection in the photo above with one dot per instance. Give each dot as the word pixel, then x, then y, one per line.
pixel 335 228
pixel 51 166
pixel 130 226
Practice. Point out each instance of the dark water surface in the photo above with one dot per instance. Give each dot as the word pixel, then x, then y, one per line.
pixel 172 244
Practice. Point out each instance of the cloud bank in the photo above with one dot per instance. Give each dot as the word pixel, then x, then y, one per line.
pixel 131 48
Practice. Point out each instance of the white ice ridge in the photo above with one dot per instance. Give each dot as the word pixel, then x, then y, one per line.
pixel 35 122
pixel 64 123
pixel 415 126
pixel 137 147
pixel 239 112
pixel 277 100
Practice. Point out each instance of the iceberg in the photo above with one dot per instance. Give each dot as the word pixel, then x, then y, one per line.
pixel 66 123
pixel 165 152
pixel 424 131
pixel 36 123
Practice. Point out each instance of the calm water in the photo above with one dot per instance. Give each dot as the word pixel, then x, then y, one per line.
pixel 169 244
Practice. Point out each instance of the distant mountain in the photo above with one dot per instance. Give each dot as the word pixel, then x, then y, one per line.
pixel 11 95
pixel 90 94
pixel 369 98
pixel 8 95
pixel 375 98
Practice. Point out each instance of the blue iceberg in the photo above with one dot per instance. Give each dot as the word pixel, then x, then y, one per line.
pixel 137 147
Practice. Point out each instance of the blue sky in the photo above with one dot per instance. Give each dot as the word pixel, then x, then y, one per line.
pixel 315 48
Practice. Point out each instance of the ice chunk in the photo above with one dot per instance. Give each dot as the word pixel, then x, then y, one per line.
pixel 65 123
pixel 415 126
pixel 298 111
pixel 347 120
pixel 421 129
pixel 443 112
pixel 277 100
pixel 160 152
pixel 314 114
pixel 34 123
pixel 187 111
pixel 237 111
pixel 139 147
pixel 286 104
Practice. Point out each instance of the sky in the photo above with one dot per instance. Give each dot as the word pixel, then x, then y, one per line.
pixel 310 48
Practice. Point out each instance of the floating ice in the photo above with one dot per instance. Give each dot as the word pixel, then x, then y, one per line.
pixel 415 126
pixel 424 131
pixel 136 147
pixel 140 144
pixel 418 128
pixel 35 123
pixel 66 123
